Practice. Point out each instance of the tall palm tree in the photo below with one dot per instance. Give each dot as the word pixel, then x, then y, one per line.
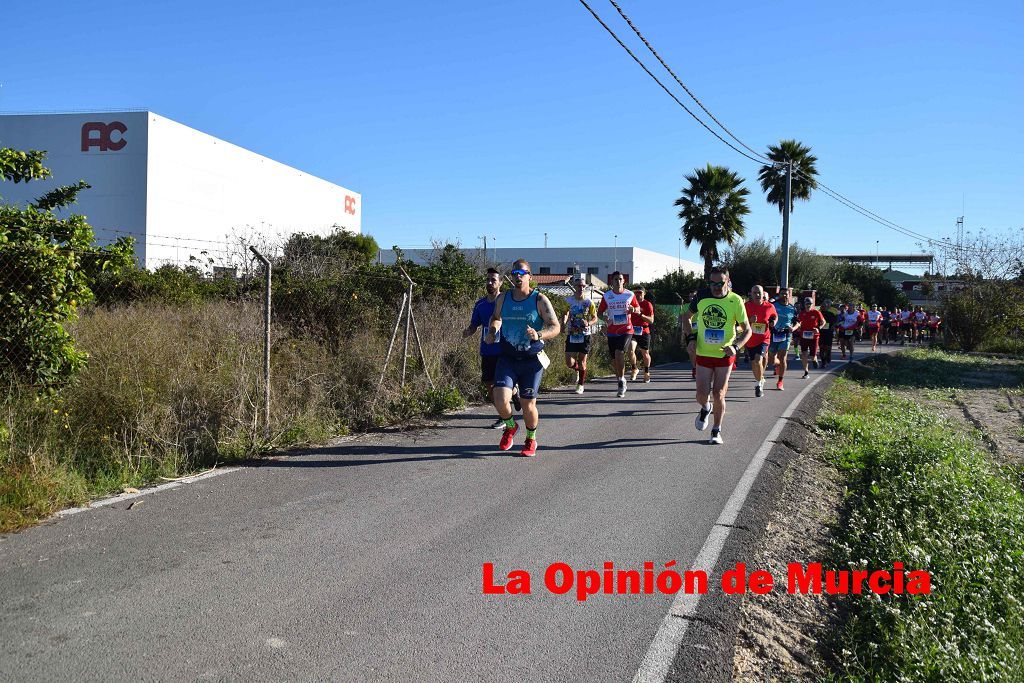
pixel 773 176
pixel 713 205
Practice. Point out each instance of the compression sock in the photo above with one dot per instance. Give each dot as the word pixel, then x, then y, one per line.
pixel 510 423
pixel 531 433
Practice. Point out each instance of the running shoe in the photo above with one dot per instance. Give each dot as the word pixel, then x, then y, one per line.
pixel 701 421
pixel 498 424
pixel 814 362
pixel 758 391
pixel 716 437
pixel 529 448
pixel 806 374
pixel 506 437
pixel 622 388
pixel 579 388
pixel 636 371
pixel 515 402
pixel 778 385
pixel 647 376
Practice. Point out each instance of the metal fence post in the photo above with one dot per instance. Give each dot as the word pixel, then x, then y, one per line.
pixel 266 341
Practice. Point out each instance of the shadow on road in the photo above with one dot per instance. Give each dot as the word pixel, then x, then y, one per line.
pixel 384 454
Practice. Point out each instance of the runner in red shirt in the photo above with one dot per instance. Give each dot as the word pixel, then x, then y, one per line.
pixel 811 321
pixel 642 335
pixel 762 316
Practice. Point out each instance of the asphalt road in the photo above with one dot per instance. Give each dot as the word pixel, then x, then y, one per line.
pixel 363 561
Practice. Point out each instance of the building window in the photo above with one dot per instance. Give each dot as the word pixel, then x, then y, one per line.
pixel 545 270
pixel 570 271
pixel 592 271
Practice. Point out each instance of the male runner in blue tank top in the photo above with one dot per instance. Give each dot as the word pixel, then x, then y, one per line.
pixel 524 318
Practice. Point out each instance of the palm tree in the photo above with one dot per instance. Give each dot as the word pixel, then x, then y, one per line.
pixel 713 206
pixel 773 176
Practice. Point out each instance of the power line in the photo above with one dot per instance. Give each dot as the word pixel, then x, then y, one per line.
pixel 670 93
pixel 683 85
pixel 761 159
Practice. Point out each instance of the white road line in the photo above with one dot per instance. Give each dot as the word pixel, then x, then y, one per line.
pixel 162 487
pixel 663 648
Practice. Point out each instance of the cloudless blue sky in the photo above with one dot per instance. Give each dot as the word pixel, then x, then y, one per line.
pixel 465 118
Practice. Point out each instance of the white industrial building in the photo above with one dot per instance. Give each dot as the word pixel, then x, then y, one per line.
pixel 176 190
pixel 638 265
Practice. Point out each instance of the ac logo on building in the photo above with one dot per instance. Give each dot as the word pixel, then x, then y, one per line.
pixel 350 205
pixel 96 134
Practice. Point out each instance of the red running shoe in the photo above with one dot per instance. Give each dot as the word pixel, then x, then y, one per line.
pixel 506 437
pixel 529 448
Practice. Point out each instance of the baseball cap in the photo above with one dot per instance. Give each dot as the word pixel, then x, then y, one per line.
pixel 808 300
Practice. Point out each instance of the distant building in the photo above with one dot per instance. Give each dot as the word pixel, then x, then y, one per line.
pixel 638 265
pixel 177 190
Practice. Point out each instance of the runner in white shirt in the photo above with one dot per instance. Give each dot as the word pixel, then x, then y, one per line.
pixel 578 322
pixel 874 325
pixel 617 305
pixel 905 326
pixel 849 321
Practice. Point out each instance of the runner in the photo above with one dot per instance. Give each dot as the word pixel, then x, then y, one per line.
pixel 906 326
pixel 642 333
pixel 934 320
pixel 886 322
pixel 718 313
pixel 920 323
pixel 782 332
pixel 489 353
pixel 874 325
pixel 517 315
pixel 618 303
pixel 827 333
pixel 579 321
pixel 811 322
pixel 761 315
pixel 849 322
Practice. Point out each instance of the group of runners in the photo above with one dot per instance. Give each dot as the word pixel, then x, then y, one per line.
pixel 719 327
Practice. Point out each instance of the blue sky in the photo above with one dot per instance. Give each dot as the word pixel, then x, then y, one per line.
pixel 512 119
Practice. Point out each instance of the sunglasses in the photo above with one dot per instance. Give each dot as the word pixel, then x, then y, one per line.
pixel 712 283
pixel 520 272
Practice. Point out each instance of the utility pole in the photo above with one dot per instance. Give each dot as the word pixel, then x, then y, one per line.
pixel 616 253
pixel 784 275
pixel 679 254
pixel 545 240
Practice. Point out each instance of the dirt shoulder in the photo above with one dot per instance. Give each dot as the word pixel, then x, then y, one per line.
pixel 780 635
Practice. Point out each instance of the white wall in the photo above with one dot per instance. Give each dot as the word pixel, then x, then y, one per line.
pixel 117 198
pixel 641 265
pixel 203 188
pixel 172 187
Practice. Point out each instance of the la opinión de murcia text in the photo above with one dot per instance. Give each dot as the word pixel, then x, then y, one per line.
pixel 562 579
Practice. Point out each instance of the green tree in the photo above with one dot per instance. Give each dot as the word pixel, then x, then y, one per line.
pixel 46 266
pixel 804 177
pixel 712 207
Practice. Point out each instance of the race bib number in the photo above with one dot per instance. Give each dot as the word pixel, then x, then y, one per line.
pixel 808 334
pixel 714 336
pixel 778 337
pixel 847 333
pixel 638 330
pixel 825 326
pixel 759 328
pixel 576 338
pixel 619 318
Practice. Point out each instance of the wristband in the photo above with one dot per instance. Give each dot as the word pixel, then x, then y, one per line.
pixel 691 338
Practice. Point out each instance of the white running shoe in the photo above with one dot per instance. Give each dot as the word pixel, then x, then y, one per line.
pixel 716 437
pixel 579 388
pixel 701 421
pixel 622 388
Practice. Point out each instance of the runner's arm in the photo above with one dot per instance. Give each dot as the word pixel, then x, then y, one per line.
pixel 494 325
pixel 592 311
pixel 547 313
pixel 743 337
